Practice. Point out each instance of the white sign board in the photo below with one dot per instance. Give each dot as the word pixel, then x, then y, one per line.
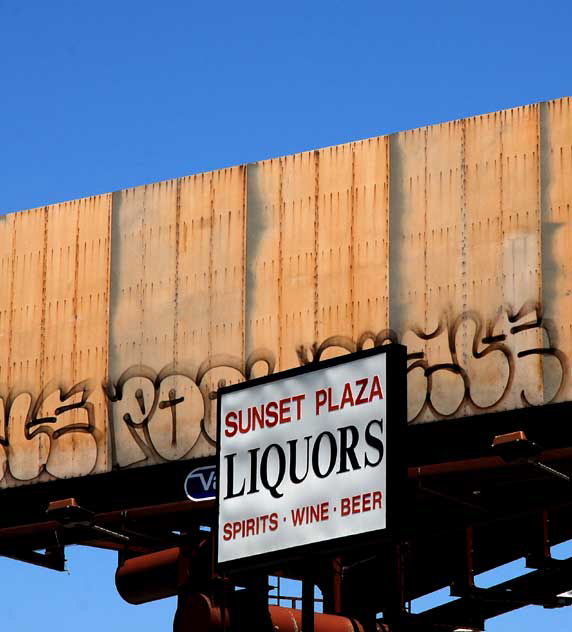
pixel 303 456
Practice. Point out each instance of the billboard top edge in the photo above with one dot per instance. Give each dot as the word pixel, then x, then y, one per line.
pixel 273 158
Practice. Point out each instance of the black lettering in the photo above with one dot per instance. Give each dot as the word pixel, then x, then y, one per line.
pixel 374 442
pixel 293 458
pixel 316 454
pixel 348 448
pixel 273 487
pixel 230 493
pixel 253 470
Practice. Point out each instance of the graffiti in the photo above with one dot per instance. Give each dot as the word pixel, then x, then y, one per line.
pixel 38 434
pixel 153 416
pixel 465 365
pixel 168 415
pixel 444 376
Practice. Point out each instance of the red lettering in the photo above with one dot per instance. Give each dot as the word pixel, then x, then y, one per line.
pixel 310 513
pixel 298 516
pixel 257 417
pixel 242 429
pixel 298 399
pixel 284 410
pixel 250 526
pixel 376 389
pixel 361 502
pixel 227 531
pixel 271 413
pixel 331 407
pixel 230 424
pixel 348 396
pixel 361 398
pixel 321 399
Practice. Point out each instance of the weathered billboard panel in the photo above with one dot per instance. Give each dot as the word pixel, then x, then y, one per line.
pixel 122 314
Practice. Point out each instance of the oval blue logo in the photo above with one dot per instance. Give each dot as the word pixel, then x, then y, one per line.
pixel 200 483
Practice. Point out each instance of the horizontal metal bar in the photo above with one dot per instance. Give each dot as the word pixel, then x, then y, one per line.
pixel 51 560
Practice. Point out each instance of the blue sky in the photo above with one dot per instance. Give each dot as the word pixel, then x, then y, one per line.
pixel 97 96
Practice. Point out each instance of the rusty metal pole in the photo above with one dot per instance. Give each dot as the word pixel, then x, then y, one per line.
pixel 330 583
pixel 337 568
pixel 149 577
pixel 197 614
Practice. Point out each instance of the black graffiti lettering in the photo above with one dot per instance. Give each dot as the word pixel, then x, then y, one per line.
pixel 486 341
pixel 171 403
pixel 38 423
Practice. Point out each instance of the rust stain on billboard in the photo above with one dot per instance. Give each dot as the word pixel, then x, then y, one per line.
pixel 122 314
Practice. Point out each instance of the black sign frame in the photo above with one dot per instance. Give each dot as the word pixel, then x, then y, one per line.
pixel 396 466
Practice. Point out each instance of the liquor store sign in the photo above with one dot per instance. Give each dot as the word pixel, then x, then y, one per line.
pixel 305 457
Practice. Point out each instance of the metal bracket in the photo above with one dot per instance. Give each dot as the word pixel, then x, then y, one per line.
pixel 53 559
pixel 70 515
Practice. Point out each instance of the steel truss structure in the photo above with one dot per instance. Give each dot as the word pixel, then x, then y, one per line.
pixel 481 492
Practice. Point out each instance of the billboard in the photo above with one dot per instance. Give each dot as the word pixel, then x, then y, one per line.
pixel 121 315
pixel 303 455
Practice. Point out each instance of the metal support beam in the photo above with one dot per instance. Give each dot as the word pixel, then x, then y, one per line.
pixel 465 580
pixel 308 618
pixel 394 610
pixel 539 555
pixel 53 559
pixel 542 587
